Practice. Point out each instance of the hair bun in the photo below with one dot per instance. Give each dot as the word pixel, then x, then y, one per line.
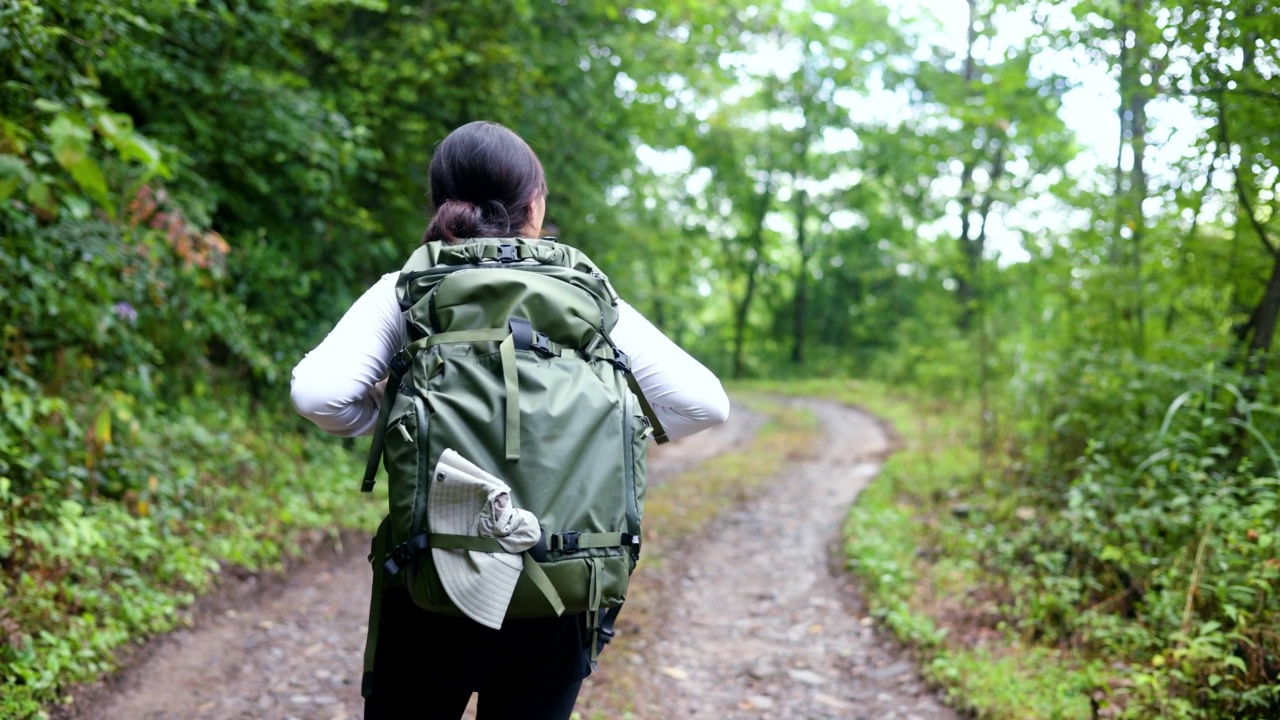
pixel 458 219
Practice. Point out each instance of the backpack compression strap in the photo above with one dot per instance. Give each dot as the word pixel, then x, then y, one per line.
pixel 398 367
pixel 399 558
pixel 623 363
pixel 375 606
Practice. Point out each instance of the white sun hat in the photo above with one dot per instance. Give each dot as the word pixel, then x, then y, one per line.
pixel 465 500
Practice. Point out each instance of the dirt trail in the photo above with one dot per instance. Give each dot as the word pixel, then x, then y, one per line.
pixel 295 652
pixel 760 625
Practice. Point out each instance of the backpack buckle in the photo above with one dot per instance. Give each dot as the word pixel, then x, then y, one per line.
pixel 541 343
pixel 621 361
pixel 507 254
pixel 566 541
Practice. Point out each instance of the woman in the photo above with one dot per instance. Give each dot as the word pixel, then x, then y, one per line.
pixel 485 182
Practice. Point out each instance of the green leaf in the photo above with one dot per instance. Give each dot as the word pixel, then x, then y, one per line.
pixel 40 195
pixel 70 138
pixel 79 208
pixel 49 106
pixel 13 172
pixel 133 146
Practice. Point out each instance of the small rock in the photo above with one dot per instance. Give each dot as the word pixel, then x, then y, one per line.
pixel 674 672
pixel 761 670
pixel 901 667
pixel 301 699
pixel 808 677
pixel 832 702
pixel 760 702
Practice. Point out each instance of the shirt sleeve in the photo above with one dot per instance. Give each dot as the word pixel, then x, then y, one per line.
pixel 684 394
pixel 334 386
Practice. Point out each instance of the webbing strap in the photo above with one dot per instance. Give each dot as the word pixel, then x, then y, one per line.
pixel 445 541
pixel 538 576
pixel 508 252
pixel 593 610
pixel 659 434
pixel 375 606
pixel 572 540
pixel 512 381
pixel 466 336
pixel 540 580
pixel 404 554
pixel 398 366
pixel 623 364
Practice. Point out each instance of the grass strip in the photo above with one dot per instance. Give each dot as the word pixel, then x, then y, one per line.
pixel 678 511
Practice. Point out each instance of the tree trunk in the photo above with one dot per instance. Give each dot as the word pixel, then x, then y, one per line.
pixel 964 282
pixel 1138 182
pixel 801 304
pixel 742 309
pixel 741 313
pixel 1264 322
pixel 1261 327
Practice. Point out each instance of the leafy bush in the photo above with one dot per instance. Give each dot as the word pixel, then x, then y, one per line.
pixel 115 523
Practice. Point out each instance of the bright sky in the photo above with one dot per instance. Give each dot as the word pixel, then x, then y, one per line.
pixel 1089 110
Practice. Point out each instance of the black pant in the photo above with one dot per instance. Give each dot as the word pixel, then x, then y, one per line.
pixel 427 666
pixel 544 702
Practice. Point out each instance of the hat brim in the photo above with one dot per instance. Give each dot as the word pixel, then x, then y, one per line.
pixel 480 584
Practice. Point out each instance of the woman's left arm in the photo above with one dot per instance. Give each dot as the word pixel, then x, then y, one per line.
pixel 685 395
pixel 336 385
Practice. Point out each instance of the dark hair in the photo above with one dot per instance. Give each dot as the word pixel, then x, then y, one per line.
pixel 484 180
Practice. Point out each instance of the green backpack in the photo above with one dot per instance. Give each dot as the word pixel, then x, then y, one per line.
pixel 509 363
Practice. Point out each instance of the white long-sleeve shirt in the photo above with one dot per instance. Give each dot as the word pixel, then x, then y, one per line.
pixel 334 385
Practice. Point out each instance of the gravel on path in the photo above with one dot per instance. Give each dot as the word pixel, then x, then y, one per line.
pixel 762 624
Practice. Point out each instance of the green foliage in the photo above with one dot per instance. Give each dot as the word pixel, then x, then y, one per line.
pixel 1148 552
pixel 192 192
pixel 116 521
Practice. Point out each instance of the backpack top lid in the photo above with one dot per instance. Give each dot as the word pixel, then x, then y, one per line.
pixel 433 262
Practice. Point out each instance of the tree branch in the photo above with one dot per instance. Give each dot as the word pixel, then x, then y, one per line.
pixel 1241 192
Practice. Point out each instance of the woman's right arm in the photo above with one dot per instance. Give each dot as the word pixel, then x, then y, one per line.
pixel 335 385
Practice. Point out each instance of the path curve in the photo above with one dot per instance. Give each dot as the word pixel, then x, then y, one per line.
pixel 762 624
